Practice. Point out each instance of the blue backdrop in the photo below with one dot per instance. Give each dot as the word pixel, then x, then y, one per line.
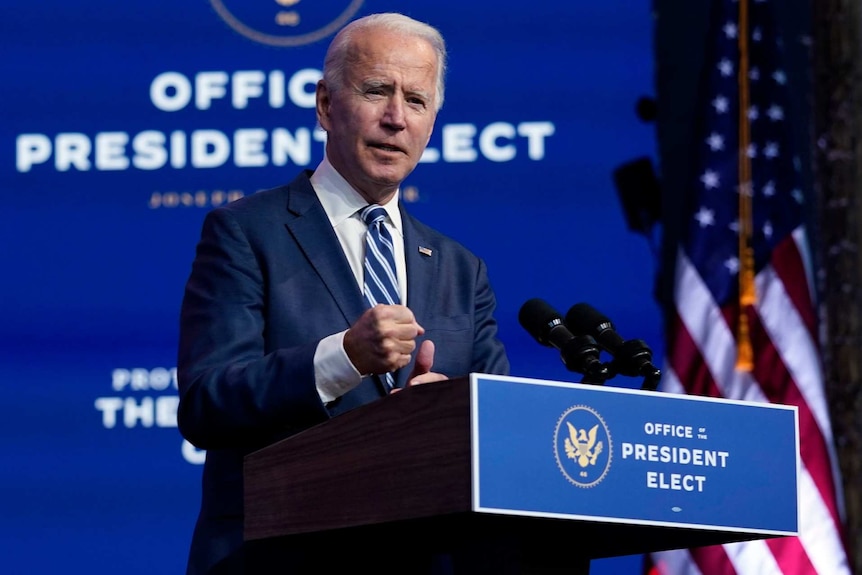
pixel 124 122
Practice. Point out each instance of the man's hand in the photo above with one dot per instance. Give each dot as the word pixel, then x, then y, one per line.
pixel 382 339
pixel 422 368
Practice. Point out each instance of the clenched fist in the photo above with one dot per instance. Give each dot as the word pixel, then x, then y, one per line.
pixel 382 339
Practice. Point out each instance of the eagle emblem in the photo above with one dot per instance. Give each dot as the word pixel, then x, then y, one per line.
pixel 581 445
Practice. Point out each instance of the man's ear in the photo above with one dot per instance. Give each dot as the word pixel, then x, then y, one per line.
pixel 323 100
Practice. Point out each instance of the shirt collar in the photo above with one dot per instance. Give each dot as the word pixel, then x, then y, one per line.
pixel 340 201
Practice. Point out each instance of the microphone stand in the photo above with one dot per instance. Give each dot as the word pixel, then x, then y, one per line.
pixel 581 355
pixel 650 382
pixel 634 358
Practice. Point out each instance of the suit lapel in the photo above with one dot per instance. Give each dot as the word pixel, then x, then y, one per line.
pixel 422 264
pixel 309 226
pixel 421 267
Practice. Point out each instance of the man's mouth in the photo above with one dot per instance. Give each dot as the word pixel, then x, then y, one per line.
pixel 386 147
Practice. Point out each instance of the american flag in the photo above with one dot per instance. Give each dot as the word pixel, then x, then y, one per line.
pixel 745 325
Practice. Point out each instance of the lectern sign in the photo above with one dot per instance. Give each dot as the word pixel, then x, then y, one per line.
pixel 568 450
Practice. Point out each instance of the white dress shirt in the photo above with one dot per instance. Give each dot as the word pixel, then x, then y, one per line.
pixel 334 374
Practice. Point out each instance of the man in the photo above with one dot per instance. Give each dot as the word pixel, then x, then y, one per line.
pixel 276 332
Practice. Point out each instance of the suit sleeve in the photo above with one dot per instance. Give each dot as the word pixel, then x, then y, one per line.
pixel 232 392
pixel 489 356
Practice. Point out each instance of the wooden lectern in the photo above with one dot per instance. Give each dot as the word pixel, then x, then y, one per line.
pixel 401 473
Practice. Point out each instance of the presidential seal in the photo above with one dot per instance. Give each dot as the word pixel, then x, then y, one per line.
pixel 286 23
pixel 582 446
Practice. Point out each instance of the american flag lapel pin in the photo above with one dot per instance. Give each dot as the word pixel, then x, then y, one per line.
pixel 425 251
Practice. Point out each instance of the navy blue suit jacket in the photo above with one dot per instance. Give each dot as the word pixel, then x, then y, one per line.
pixel 268 282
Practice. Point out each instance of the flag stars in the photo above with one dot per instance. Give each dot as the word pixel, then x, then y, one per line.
pixel 732 265
pixel 730 30
pixel 775 113
pixel 705 217
pixel 709 179
pixel 797 195
pixel 742 138
pixel 715 142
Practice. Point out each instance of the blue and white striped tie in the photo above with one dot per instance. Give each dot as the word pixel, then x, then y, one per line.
pixel 381 281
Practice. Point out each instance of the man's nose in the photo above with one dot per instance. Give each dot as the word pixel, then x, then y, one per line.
pixel 394 116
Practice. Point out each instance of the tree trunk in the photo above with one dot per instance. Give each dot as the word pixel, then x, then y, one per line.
pixel 837 126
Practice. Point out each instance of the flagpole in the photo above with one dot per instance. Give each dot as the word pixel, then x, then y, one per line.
pixel 747 295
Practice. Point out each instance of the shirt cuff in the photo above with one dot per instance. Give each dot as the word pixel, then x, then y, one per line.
pixel 334 374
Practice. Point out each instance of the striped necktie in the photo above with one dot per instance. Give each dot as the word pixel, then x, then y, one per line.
pixel 381 281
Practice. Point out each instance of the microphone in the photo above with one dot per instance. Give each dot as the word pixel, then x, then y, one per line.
pixel 579 353
pixel 631 357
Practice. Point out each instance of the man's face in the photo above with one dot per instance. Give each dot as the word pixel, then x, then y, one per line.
pixel 379 122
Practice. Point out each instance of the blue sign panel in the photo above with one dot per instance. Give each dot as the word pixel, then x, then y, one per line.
pixel 611 454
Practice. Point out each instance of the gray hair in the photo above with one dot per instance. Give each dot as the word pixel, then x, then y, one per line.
pixel 338 51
